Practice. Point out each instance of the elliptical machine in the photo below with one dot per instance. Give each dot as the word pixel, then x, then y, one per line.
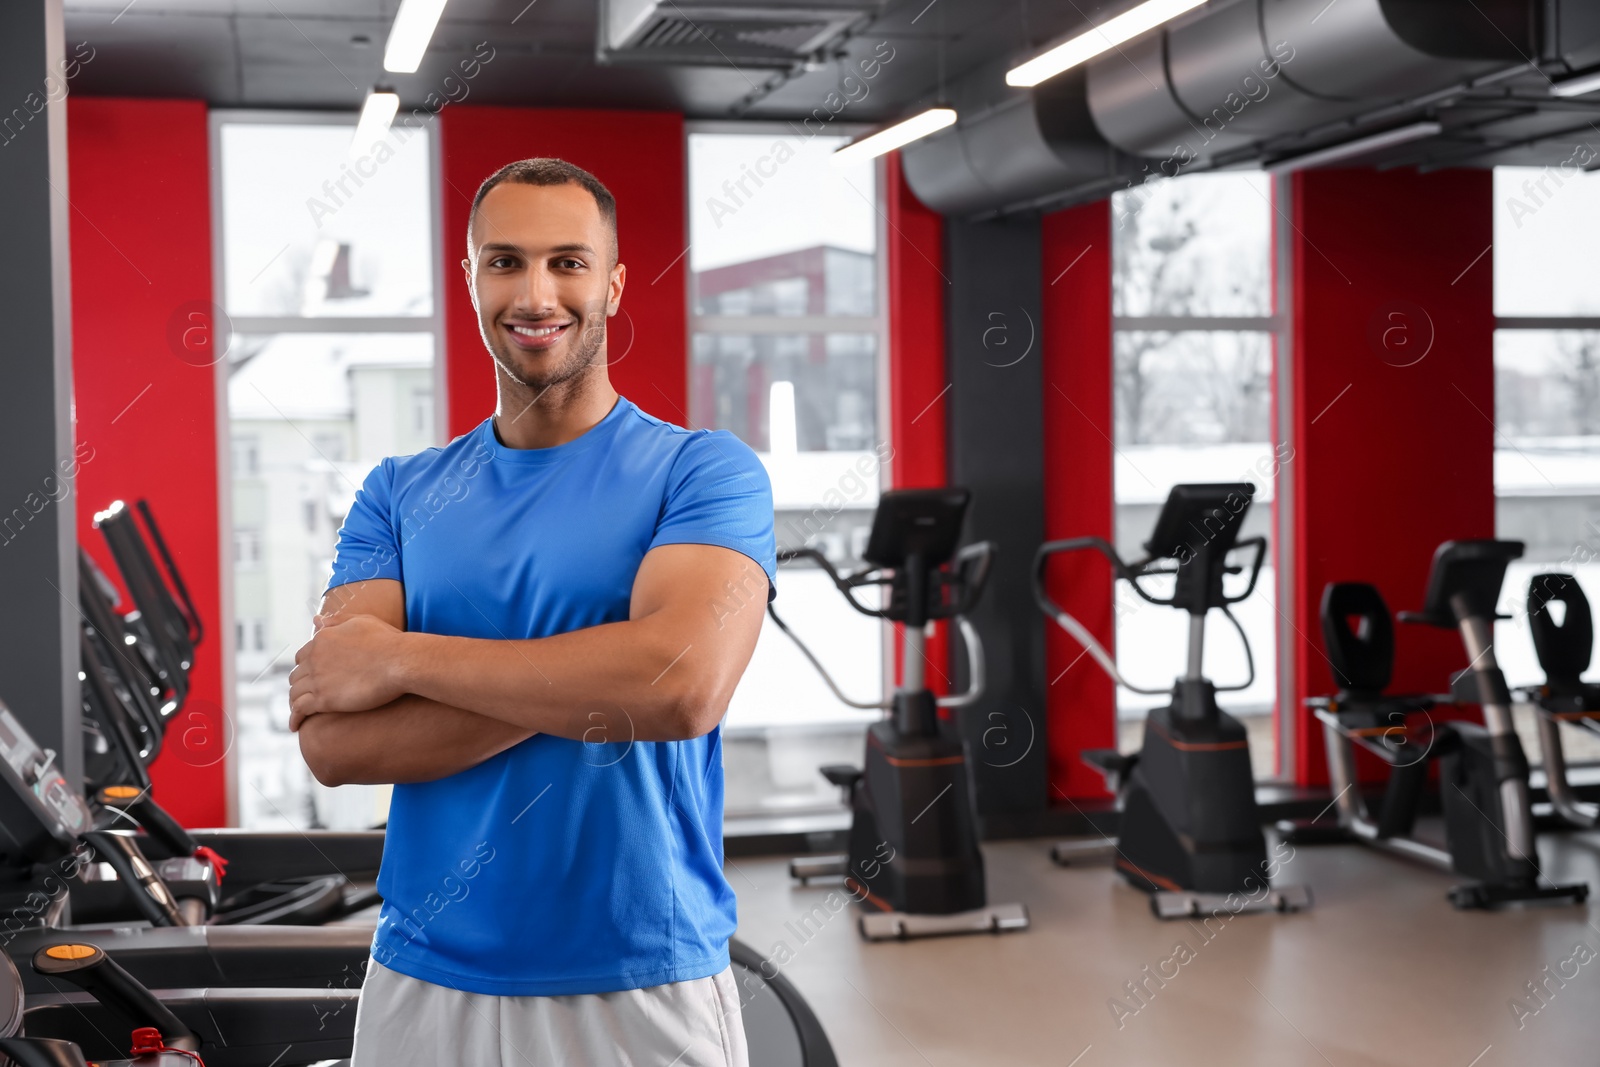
pixel 1483 780
pixel 1564 648
pixel 1190 835
pixel 913 862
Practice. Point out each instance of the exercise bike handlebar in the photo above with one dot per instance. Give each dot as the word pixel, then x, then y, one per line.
pixel 1259 543
pixel 971 566
pixel 972 569
pixel 1079 632
pixel 845 583
pixel 1132 572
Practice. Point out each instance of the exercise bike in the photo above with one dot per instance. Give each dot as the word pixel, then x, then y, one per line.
pixel 1483 779
pixel 913 861
pixel 1190 835
pixel 1564 647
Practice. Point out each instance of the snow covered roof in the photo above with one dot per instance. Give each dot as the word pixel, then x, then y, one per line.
pixel 803 479
pixel 306 375
pixel 1547 466
pixel 1145 474
pixel 1538 466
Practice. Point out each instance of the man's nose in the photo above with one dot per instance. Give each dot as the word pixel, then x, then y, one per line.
pixel 538 292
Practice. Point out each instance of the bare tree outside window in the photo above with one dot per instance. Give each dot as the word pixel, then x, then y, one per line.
pixel 1180 249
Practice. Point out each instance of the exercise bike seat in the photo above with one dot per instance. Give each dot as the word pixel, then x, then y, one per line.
pixel 1367 712
pixel 1382 727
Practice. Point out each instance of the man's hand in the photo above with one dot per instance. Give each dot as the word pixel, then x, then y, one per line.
pixel 405 740
pixel 346 666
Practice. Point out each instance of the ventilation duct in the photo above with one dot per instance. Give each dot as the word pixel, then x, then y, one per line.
pixel 1033 144
pixel 1232 76
pixel 1226 79
pixel 748 34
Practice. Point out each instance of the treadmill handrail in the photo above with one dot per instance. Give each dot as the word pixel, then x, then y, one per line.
pixel 189 613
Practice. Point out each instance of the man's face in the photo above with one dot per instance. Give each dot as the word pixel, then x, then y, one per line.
pixel 542 280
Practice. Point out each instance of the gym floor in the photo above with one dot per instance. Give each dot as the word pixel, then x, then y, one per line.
pixel 1381 971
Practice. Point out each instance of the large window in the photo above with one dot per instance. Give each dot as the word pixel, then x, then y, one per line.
pixel 328 280
pixel 1193 350
pixel 786 324
pixel 1547 400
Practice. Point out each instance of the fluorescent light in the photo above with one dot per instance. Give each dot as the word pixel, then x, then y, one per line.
pixel 409 36
pixel 901 133
pixel 376 115
pixel 1579 86
pixel 1102 38
pixel 1360 147
pixel 782 438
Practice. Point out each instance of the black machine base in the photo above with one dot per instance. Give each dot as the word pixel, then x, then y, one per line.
pixel 901 858
pixel 1487 895
pixel 1189 819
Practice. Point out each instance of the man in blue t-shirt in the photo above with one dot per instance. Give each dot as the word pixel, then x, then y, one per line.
pixel 533 632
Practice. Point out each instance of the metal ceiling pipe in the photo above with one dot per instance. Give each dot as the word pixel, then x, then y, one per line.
pixel 1233 75
pixel 1033 143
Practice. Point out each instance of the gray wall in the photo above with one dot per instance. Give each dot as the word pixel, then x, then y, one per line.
pixel 38 567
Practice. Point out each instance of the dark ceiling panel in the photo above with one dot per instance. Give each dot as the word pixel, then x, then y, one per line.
pixel 326 54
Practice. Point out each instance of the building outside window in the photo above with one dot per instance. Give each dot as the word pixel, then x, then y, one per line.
pixel 335 331
pixel 1547 405
pixel 1193 349
pixel 786 353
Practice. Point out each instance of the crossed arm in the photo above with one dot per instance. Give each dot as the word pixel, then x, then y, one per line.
pixel 374 703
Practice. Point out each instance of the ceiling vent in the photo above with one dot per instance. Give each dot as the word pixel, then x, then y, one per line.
pixel 748 34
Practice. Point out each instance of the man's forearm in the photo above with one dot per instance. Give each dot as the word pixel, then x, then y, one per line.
pixel 412 739
pixel 629 681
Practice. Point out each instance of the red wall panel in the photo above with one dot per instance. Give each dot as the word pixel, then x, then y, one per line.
pixel 1393 379
pixel 917 381
pixel 143 384
pixel 639 156
pixel 1079 497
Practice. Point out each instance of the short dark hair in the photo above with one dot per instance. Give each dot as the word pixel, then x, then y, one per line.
pixel 545 170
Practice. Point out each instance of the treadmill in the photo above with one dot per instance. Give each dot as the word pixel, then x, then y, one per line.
pixel 295 1014
pixel 144 657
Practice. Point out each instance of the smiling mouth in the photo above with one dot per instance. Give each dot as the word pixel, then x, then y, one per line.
pixel 538 332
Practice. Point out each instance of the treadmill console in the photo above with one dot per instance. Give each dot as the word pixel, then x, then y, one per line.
pixel 41 816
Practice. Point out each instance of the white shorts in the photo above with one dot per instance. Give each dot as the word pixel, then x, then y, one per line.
pixel 405 1022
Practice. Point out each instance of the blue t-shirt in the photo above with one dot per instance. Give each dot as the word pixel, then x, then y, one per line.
pixel 559 866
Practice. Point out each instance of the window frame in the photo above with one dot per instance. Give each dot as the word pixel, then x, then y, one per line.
pixel 1276 326
pixel 433 324
pixel 877 325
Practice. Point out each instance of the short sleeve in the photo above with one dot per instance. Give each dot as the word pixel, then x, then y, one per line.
pixel 719 494
pixel 368 547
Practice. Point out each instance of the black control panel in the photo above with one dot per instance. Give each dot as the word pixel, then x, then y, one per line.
pixel 41 816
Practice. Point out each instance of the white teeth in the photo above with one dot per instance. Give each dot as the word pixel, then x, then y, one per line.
pixel 543 331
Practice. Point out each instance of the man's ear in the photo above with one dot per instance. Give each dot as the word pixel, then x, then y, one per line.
pixel 614 293
pixel 472 290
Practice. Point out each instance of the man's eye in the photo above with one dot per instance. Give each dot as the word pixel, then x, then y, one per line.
pixel 571 263
pixel 500 261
